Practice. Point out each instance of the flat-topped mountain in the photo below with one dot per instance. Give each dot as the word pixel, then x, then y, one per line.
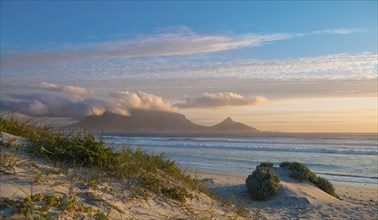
pixel 156 122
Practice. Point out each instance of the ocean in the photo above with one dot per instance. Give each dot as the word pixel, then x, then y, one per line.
pixel 337 157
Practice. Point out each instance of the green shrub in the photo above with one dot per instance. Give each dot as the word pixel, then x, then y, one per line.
pixel 53 200
pixel 326 186
pixel 37 197
pixel 302 172
pixel 100 216
pixel 299 171
pixel 25 206
pixel 176 193
pixel 266 164
pixel 262 183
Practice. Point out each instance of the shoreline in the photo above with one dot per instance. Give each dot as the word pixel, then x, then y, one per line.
pixel 235 174
pixel 260 134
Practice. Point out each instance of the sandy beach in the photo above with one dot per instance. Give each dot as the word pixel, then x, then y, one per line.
pixel 296 200
pixel 86 193
pixel 91 193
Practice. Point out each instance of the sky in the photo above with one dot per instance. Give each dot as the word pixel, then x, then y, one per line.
pixel 287 66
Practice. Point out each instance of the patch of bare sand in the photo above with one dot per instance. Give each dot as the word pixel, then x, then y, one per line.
pixel 297 200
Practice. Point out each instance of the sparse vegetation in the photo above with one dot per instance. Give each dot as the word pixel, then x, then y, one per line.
pixel 37 205
pixel 326 186
pixel 93 184
pixel 266 164
pixel 262 183
pixel 141 174
pixel 8 160
pixel 302 172
pixel 299 171
pixel 81 148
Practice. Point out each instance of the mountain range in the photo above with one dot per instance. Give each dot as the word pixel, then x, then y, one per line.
pixel 156 122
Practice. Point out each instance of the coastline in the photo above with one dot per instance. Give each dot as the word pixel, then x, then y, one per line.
pixel 260 134
pixel 337 159
pixel 203 172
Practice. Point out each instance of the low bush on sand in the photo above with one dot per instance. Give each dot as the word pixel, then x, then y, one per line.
pixel 262 183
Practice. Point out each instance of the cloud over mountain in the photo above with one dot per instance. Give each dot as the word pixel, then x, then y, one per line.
pixel 141 100
pixel 63 101
pixel 220 100
pixel 55 105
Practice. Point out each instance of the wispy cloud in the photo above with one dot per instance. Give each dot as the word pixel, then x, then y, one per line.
pixel 338 31
pixel 155 71
pixel 157 45
pixel 221 100
pixel 333 66
pixel 174 43
pixel 75 90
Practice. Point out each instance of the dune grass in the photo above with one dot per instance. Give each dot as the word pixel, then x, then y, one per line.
pixel 302 172
pixel 150 173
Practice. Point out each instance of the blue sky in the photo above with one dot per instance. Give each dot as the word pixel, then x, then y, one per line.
pixel 40 23
pixel 207 59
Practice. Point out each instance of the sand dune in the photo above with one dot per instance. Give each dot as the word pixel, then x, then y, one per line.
pixel 298 200
pixel 90 188
pixel 293 200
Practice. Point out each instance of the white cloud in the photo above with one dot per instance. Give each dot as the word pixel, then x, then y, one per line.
pixel 46 85
pixel 336 66
pixel 37 108
pixel 141 100
pixel 333 66
pixel 177 42
pixel 55 105
pixel 52 104
pixel 344 66
pixel 220 100
pixel 75 90
pixel 338 31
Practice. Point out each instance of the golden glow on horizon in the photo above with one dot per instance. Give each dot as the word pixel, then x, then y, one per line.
pixel 357 114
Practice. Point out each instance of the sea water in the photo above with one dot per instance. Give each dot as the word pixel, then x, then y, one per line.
pixel 345 158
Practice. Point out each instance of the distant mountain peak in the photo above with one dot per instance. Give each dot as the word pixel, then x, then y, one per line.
pixel 229 125
pixel 228 120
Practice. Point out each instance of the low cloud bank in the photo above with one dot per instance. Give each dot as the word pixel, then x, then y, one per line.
pixel 75 102
pixel 55 105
